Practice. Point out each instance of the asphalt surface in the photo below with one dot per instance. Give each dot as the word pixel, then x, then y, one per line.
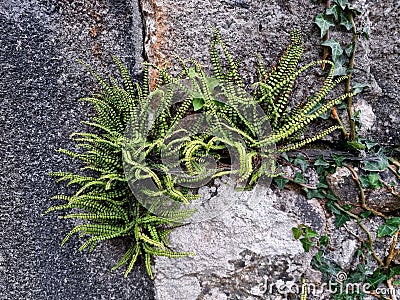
pixel 40 82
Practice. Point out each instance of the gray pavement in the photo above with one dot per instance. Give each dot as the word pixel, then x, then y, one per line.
pixel 40 82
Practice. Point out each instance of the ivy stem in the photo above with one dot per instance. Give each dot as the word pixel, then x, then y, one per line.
pixel 325 38
pixel 347 84
pixel 365 229
pixel 337 118
pixel 392 251
pixel 363 203
pixel 395 162
pixel 394 171
pixel 300 184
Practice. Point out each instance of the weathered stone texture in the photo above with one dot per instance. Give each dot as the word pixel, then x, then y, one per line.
pixel 220 269
pixel 184 28
pixel 40 83
pixel 242 253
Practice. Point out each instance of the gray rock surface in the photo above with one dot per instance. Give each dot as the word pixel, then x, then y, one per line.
pixel 244 253
pixel 184 28
pixel 40 83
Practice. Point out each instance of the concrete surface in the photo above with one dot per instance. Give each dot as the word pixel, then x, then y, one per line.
pixel 40 83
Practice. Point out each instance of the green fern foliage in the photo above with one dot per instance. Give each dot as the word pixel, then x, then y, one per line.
pixel 232 121
pixel 104 201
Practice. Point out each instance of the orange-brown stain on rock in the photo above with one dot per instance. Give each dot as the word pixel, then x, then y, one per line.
pixel 156 39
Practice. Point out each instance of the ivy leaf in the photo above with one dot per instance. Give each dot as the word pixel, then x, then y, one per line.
pixel 298 178
pixel 284 155
pixel 358 87
pixel 325 266
pixel 394 271
pixel 309 233
pixel 380 163
pixel 281 182
pixel 349 49
pixel 301 162
pixel 369 144
pixel 297 233
pixel 322 185
pixel 315 194
pixel 306 244
pixel 396 282
pixel 324 23
pixel 340 70
pixel 395 221
pixel 324 240
pixel 198 103
pixel 371 181
pixel 345 20
pixel 212 83
pixel 355 146
pixel 377 278
pixel 331 196
pixel 340 219
pixel 334 10
pixel 321 162
pixel 330 205
pixel 365 214
pixel 338 159
pixel 337 50
pixel 365 33
pixel 343 3
pixel 387 230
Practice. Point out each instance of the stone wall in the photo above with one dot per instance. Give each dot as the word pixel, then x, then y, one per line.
pixel 41 80
pixel 40 83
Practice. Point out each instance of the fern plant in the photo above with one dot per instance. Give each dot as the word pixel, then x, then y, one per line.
pixel 104 200
pixel 110 210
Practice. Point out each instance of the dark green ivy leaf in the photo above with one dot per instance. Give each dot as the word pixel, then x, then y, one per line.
pixel 365 214
pixel 334 10
pixel 306 244
pixel 321 162
pixel 324 23
pixel 315 194
pixel 301 162
pixel 358 87
pixel 324 240
pixel 341 219
pixel 371 181
pixel 380 163
pixel 281 182
pixel 338 159
pixel 337 50
pixel 343 3
pixel 387 230
pixel 331 206
pixel 394 271
pixel 376 279
pixel 349 49
pixel 298 178
pixel 395 221
pixel 345 20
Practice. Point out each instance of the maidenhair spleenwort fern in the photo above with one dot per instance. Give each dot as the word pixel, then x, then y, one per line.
pixel 104 201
